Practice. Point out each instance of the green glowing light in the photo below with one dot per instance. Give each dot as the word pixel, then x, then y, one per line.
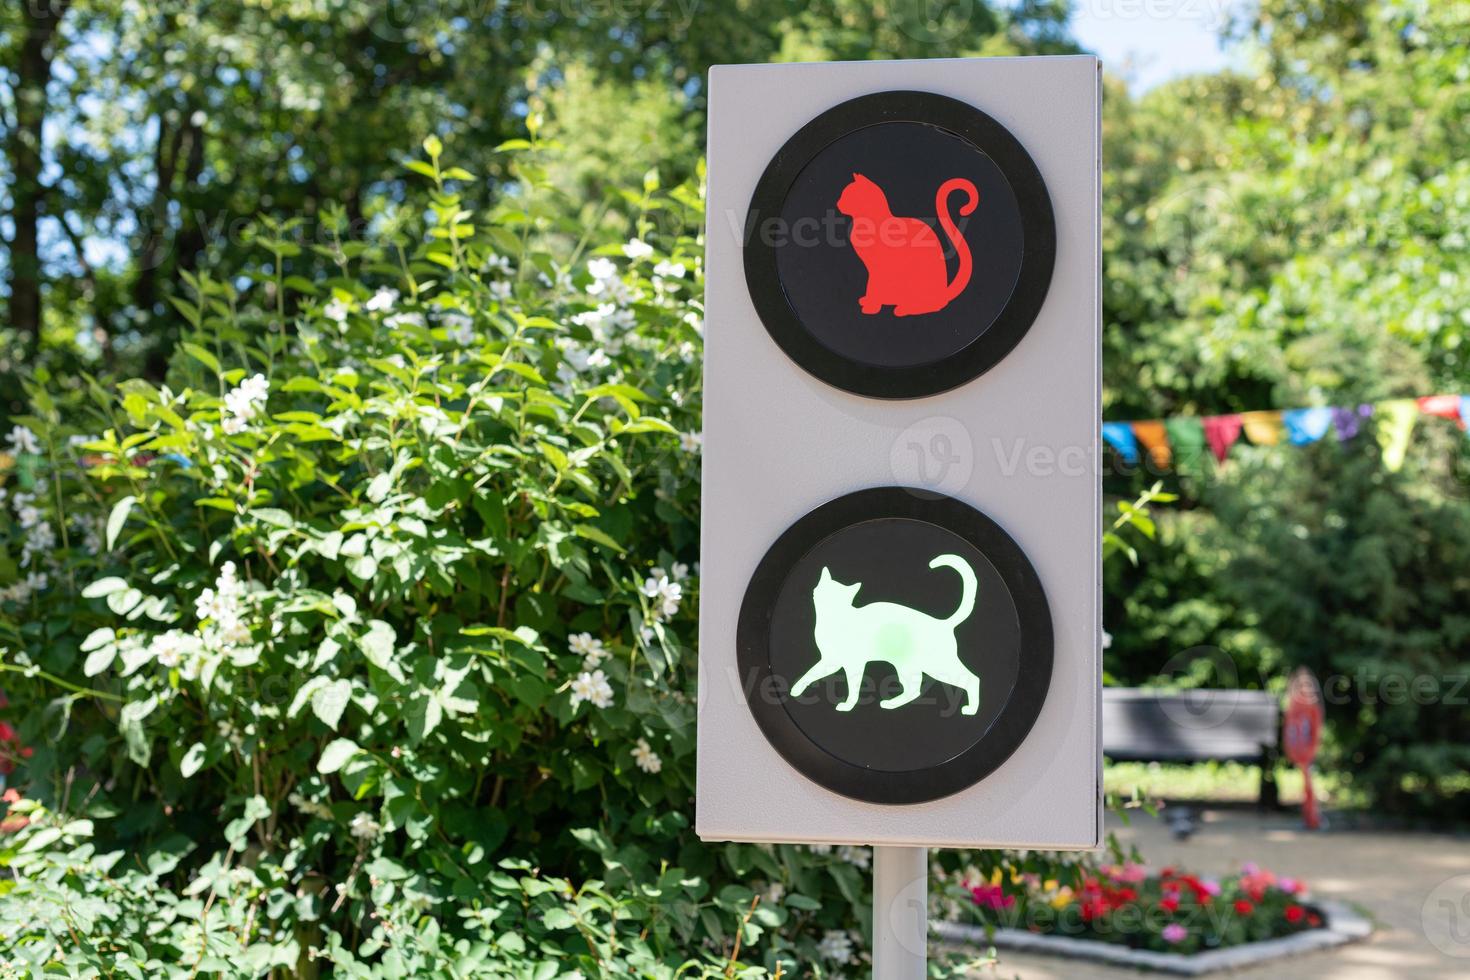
pixel 849 637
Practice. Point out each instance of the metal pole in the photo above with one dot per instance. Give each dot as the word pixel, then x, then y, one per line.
pixel 900 913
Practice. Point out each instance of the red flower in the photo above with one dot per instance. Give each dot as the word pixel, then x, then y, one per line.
pixel 1169 903
pixel 1295 914
pixel 1313 919
pixel 992 897
pixel 10 748
pixel 1242 907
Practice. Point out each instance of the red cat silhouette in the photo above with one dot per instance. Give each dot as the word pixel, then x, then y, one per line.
pixel 903 256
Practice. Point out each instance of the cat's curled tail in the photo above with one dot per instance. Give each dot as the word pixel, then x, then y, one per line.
pixel 968 585
pixel 962 247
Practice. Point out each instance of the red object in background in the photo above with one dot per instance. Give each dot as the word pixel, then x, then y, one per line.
pixel 903 256
pixel 1301 735
pixel 1445 406
pixel 11 751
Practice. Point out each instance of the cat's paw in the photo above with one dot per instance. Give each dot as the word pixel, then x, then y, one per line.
pixel 869 306
pixel 970 709
pixel 846 707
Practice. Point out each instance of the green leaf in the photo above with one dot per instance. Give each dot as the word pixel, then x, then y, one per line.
pixel 597 534
pixel 192 760
pixel 202 356
pixel 336 755
pixel 273 516
pixel 331 700
pixel 256 809
pixel 101 658
pixel 558 918
pixel 119 515
pixel 377 643
pixel 104 587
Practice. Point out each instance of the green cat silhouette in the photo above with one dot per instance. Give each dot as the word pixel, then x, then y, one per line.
pixel 850 637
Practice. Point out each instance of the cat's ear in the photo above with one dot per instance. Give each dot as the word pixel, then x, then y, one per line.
pixel 826 574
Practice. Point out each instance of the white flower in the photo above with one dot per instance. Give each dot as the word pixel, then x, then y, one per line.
pixel 681 571
pixel 691 442
pixel 774 892
pixel 171 648
pixel 21 591
pixel 336 311
pixel 459 327
pixel 244 402
pixel 606 281
pixel 404 320
pixel 669 270
pixel 589 648
pixel 382 300
pixel 223 608
pixel 836 946
pixel 312 808
pixel 40 541
pixel 26 511
pixel 364 827
pixel 819 848
pixel 500 290
pixel 1107 639
pixel 90 526
pixel 646 758
pixel 637 249
pixel 592 686
pixel 858 857
pixel 666 594
pixel 23 441
pixel 497 262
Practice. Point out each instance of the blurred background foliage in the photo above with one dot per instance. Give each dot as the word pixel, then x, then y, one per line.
pixel 1288 234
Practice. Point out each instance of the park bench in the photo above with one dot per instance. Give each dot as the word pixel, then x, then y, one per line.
pixel 1141 725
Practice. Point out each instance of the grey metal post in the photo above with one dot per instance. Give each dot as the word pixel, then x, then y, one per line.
pixel 900 913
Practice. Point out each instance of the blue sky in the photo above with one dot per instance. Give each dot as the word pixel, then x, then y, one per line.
pixel 1151 41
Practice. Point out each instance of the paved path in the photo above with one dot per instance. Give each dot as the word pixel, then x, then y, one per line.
pixel 1410 884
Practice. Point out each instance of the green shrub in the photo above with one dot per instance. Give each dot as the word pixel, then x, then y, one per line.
pixel 364 645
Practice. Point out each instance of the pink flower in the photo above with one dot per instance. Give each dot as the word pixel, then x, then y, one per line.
pixel 1175 933
pixel 1211 886
pixel 992 897
pixel 1289 885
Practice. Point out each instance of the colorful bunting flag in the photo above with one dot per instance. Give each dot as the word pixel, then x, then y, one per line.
pixel 1306 425
pixel 1262 428
pixel 1221 431
pixel 1155 438
pixel 1119 435
pixel 1349 421
pixel 1396 419
pixel 1187 439
pixel 1445 406
pixel 1181 439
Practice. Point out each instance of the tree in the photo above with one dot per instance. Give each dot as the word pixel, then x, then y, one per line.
pixel 171 125
pixel 36 37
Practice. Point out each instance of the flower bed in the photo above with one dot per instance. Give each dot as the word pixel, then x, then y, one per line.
pixel 1170 911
